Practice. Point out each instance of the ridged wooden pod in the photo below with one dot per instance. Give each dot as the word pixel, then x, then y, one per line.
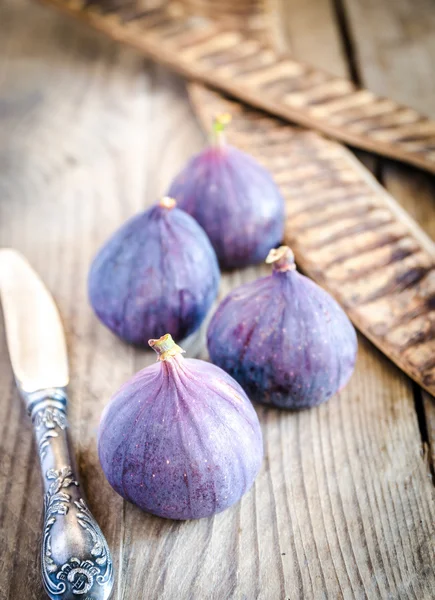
pixel 347 233
pixel 223 8
pixel 220 54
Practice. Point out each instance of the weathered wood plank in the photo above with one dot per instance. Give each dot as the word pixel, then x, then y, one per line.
pixel 302 27
pixel 394 48
pixel 396 55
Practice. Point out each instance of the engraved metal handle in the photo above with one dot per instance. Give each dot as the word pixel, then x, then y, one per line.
pixel 75 562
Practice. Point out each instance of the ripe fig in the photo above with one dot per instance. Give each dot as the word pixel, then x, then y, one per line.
pixel 234 199
pixel 157 272
pixel 283 338
pixel 180 439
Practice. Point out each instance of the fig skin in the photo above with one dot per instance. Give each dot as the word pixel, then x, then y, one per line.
pixel 283 338
pixel 157 272
pixel 235 200
pixel 180 440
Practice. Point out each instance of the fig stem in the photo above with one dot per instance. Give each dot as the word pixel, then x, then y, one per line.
pixel 167 202
pixel 282 259
pixel 219 125
pixel 165 347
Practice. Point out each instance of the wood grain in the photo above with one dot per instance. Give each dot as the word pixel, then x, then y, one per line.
pixel 343 507
pixel 394 49
pixel 224 57
pixel 390 44
pixel 307 29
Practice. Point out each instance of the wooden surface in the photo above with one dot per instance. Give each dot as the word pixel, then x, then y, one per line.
pixel 237 63
pixel 343 507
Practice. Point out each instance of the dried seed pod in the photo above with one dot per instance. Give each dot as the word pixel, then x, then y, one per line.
pixel 180 439
pixel 283 338
pixel 234 199
pixel 157 272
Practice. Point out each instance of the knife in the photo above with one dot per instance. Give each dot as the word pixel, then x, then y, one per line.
pixel 75 558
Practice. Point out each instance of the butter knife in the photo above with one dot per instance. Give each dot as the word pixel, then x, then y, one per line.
pixel 75 560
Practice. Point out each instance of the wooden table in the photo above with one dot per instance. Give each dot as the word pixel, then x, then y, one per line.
pixel 91 133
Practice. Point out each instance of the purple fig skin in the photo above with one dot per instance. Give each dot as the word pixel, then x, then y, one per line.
pixel 284 339
pixel 235 200
pixel 157 272
pixel 180 440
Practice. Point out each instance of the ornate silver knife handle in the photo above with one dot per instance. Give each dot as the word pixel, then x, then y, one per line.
pixel 75 561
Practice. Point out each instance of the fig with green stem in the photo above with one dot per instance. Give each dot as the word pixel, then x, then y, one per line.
pixel 233 198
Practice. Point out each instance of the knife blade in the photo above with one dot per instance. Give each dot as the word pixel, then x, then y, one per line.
pixel 75 558
pixel 34 330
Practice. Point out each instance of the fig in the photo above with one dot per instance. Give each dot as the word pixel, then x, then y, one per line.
pixel 283 338
pixel 158 272
pixel 180 440
pixel 234 199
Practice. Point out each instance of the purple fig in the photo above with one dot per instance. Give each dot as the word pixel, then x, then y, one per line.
pixel 180 439
pixel 157 272
pixel 283 338
pixel 234 199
